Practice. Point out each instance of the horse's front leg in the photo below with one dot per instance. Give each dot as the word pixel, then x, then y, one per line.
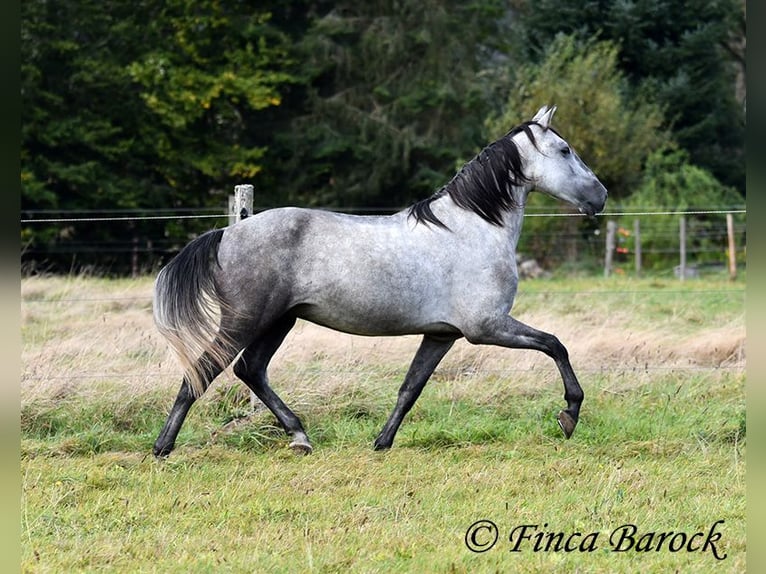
pixel 508 332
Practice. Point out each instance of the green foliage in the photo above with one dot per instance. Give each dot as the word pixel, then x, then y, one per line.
pixel 213 67
pixel 396 93
pixel 167 105
pixel 688 55
pixel 671 182
pixel 139 106
pixel 612 130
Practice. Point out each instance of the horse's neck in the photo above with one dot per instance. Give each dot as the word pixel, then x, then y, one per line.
pixel 457 218
pixel 513 220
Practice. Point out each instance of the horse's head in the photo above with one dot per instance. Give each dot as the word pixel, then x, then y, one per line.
pixel 553 167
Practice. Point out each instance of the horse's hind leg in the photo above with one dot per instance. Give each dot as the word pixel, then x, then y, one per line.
pixel 167 438
pixel 251 368
pixel 508 332
pixel 430 353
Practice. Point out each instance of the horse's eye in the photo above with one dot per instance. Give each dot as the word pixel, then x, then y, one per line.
pixel 565 150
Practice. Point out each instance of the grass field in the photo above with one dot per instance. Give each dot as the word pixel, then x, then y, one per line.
pixel 660 447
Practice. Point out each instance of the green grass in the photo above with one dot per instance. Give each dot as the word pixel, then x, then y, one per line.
pixel 662 448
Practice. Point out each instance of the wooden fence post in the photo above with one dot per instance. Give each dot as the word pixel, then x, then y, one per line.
pixel 732 247
pixel 241 207
pixel 134 258
pixel 682 248
pixel 611 229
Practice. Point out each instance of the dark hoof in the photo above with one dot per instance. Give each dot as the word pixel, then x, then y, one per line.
pixel 162 451
pixel 567 423
pixel 379 445
pixel 301 447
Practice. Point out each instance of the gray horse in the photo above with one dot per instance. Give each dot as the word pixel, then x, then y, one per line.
pixel 444 268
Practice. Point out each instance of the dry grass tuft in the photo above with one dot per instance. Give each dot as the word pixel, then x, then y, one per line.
pixel 79 332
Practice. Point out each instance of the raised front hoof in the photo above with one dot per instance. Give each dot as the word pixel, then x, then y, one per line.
pixel 301 447
pixel 567 423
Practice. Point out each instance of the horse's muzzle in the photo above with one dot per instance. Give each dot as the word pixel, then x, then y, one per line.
pixel 592 206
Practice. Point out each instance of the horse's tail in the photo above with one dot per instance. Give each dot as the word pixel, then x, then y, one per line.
pixel 187 309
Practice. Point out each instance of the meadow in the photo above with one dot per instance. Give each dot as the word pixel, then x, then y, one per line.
pixel 653 479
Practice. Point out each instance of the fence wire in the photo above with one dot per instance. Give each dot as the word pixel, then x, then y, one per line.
pixel 371 210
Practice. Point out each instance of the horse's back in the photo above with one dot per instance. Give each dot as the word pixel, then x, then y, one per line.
pixel 362 274
pixel 368 275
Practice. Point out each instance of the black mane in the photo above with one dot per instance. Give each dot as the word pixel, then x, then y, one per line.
pixel 483 185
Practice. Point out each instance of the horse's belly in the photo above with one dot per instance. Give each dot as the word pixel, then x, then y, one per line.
pixel 379 328
pixel 379 314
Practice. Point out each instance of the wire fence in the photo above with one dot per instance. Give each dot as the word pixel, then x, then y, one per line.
pixel 553 239
pixel 123 248
pixel 197 214
pixel 601 370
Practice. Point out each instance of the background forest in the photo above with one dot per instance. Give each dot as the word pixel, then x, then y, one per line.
pixel 157 109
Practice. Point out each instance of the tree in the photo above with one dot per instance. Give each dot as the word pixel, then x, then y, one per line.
pixel 77 149
pixel 146 105
pixel 212 67
pixel 395 93
pixel 686 55
pixel 612 131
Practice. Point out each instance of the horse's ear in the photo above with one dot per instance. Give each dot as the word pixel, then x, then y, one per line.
pixel 544 116
pixel 540 113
